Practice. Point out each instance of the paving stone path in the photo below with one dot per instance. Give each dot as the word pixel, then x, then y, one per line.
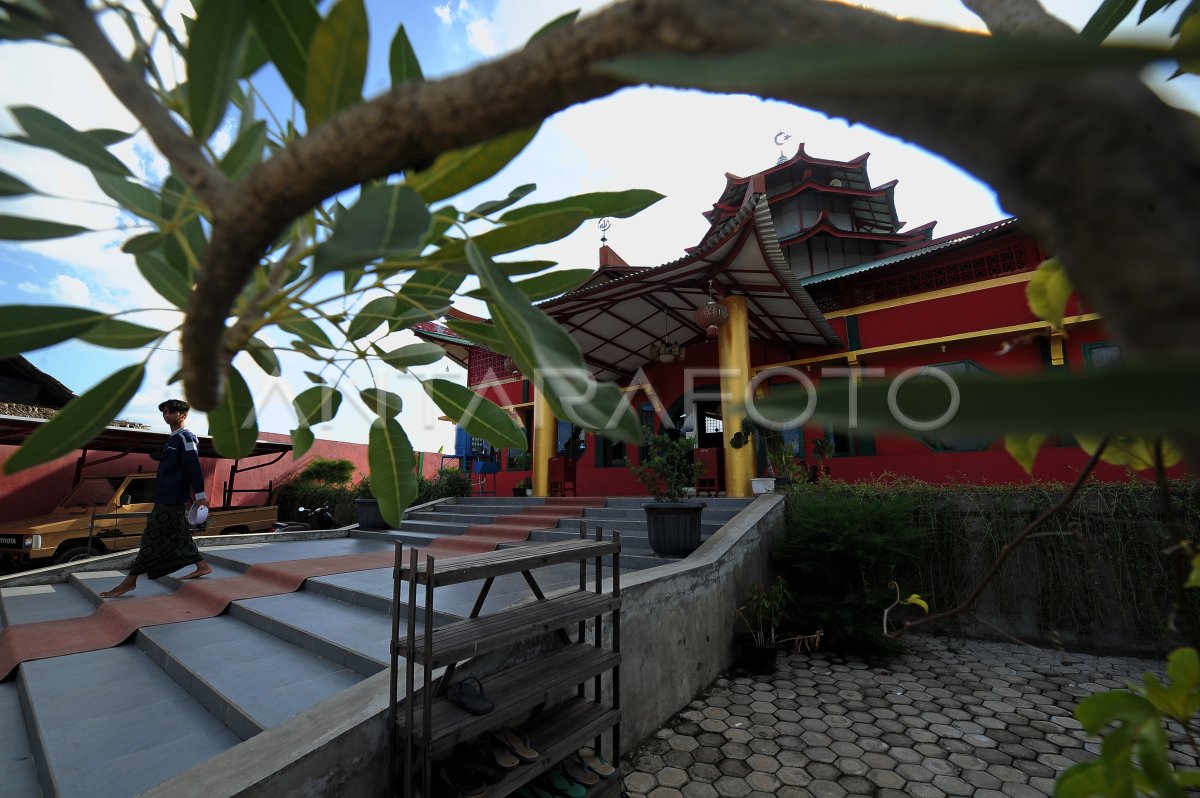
pixel 949 718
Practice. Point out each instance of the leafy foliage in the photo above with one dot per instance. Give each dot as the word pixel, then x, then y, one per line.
pixel 669 467
pixel 765 610
pixel 447 483
pixel 333 472
pixel 398 260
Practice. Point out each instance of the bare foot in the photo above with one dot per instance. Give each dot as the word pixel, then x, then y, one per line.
pixel 202 569
pixel 119 590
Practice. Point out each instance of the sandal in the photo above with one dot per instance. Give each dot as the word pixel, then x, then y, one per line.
pixel 468 694
pixel 516 741
pixel 466 781
pixel 561 785
pixel 504 757
pixel 576 772
pixel 479 761
pixel 595 763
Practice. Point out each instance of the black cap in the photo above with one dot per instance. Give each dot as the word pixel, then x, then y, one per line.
pixel 178 405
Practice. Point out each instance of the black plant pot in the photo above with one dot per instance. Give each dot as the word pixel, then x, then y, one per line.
pixel 369 515
pixel 673 527
pixel 755 658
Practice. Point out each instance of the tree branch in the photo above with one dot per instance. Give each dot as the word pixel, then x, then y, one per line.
pixel 75 22
pixel 1063 503
pixel 1018 18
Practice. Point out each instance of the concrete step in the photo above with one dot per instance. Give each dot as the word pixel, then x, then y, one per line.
pixel 353 637
pixel 36 603
pixel 245 677
pixel 710 502
pixel 111 723
pixel 371 590
pixel 463 518
pixel 433 527
pixel 18 772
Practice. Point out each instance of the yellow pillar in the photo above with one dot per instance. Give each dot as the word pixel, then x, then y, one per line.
pixel 545 440
pixel 733 352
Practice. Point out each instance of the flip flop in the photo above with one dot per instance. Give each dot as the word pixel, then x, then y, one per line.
pixel 595 762
pixel 466 781
pixel 563 786
pixel 468 694
pixel 576 772
pixel 504 757
pixel 480 761
pixel 516 741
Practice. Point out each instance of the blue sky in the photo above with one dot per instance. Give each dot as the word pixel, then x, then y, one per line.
pixel 678 143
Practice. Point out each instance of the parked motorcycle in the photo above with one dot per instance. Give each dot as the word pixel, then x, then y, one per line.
pixel 312 518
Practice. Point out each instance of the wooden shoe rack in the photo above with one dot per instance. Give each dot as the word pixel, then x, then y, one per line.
pixel 562 688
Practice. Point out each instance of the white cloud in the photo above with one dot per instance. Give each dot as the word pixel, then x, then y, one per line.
pixel 481 38
pixel 63 288
pixel 444 13
pixel 463 7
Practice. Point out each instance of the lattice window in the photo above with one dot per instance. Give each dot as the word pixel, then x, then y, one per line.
pixel 1009 260
pixel 485 365
pixel 828 298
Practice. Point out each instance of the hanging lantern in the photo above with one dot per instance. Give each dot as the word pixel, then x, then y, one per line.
pixel 711 317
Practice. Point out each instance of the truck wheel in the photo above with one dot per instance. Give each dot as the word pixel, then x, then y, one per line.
pixel 74 553
pixel 237 530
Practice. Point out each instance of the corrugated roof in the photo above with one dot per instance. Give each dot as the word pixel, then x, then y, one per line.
pixel 910 252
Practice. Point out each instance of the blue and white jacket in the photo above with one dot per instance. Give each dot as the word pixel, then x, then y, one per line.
pixel 179 474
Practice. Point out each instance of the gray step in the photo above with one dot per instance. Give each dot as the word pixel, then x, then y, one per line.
pixel 464 518
pixel 710 502
pixel 497 501
pixel 91 583
pixel 353 637
pixel 18 772
pixel 36 603
pixel 371 590
pixel 632 559
pixel 111 723
pixel 433 527
pixel 245 677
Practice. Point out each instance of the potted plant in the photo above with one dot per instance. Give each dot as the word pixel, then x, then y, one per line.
pixel 667 471
pixel 762 614
pixel 523 487
pixel 822 449
pixel 367 506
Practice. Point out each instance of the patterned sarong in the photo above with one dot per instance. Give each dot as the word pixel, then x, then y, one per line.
pixel 167 543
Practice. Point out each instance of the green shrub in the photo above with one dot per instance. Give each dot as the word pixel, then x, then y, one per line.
pixel 839 551
pixel 447 483
pixel 334 472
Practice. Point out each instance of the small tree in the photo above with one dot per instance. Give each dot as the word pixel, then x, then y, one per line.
pixel 669 467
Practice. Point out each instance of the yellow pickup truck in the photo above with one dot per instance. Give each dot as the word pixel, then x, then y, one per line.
pixel 106 514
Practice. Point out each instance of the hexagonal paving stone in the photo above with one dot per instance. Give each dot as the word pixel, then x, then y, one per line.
pixel 766 782
pixel 678 759
pixel 886 778
pixel 952 785
pixel 682 743
pixel 796 777
pixel 851 766
pixel 703 771
pixel 820 754
pixel 665 792
pixel 672 777
pixel 737 735
pixel 708 755
pixel 981 779
pixel 768 747
pixel 820 788
pixel 914 772
pixel 699 789
pixel 713 725
pixel 730 787
pixel 640 782
pixel 734 767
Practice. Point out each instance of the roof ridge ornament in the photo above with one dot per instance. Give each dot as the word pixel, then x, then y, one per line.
pixel 780 138
pixel 604 224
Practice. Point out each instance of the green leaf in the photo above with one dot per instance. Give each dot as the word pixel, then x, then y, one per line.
pixel 376 312
pixel 1151 749
pixel 1083 780
pixel 130 196
pixel 247 152
pixel 1193 579
pixel 17 228
pixel 78 422
pixel 541 229
pixel 24 328
pixel 146 242
pixel 552 359
pixel 619 204
pixel 1024 448
pixel 393 467
pixel 1151 7
pixel 566 20
pixel 285 28
pixel 317 378
pixel 264 356
pixel 1048 291
pixel 337 62
pixel 1097 711
pixel 387 221
pixel 1106 18
pixel 414 308
pixel 1088 403
pixel 476 414
pixel 214 61
pixel 544 286
pixel 49 132
pixel 491 206
pixel 302 441
pixel 107 136
pixel 479 332
pixel 317 405
pixel 422 354
pixel 233 423
pixel 165 278
pixel 1187 47
pixel 382 403
pixel 307 330
pixel 254 58
pixel 402 59
pixel 456 171
pixel 962 55
pixel 13 187
pixel 433 281
pixel 118 334
pixel 1183 668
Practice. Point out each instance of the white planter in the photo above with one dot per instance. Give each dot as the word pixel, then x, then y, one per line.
pixel 762 485
pixel 529 491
